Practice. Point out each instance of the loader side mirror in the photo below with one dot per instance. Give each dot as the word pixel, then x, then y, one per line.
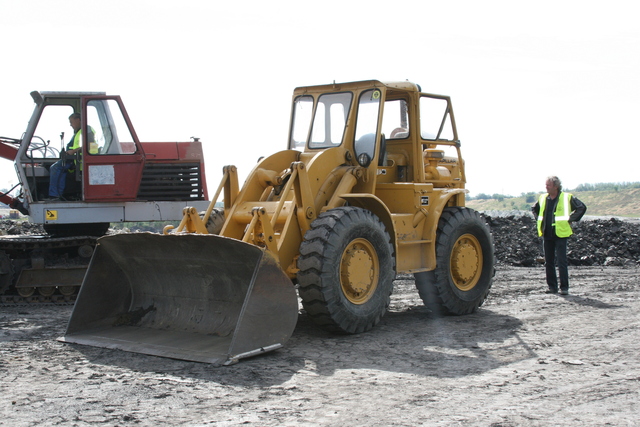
pixel 364 148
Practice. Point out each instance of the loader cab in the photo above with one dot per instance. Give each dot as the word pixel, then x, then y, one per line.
pixel 391 130
pixel 321 124
pixel 110 163
pixel 349 116
pixel 321 121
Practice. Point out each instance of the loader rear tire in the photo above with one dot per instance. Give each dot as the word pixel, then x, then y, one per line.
pixel 464 264
pixel 347 270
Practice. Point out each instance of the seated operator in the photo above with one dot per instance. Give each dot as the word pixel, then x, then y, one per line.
pixel 60 169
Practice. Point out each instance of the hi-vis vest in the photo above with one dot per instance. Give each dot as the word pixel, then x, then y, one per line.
pixel 561 214
pixel 77 140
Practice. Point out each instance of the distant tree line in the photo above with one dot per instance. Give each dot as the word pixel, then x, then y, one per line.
pixel 531 196
pixel 611 186
pixel 483 196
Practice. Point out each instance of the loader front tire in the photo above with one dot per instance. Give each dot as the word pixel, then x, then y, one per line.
pixel 464 264
pixel 347 270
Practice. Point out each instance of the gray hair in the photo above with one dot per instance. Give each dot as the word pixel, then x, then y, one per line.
pixel 555 181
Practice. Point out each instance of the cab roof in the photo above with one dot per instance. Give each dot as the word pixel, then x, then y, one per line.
pixel 406 85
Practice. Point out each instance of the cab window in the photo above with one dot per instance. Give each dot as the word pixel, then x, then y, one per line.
pixel 395 123
pixel 301 120
pixel 53 132
pixel 112 135
pixel 435 122
pixel 330 120
pixel 367 126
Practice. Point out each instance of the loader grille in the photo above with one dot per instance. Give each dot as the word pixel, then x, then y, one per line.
pixel 166 181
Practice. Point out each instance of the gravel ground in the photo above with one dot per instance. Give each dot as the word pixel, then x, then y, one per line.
pixel 523 359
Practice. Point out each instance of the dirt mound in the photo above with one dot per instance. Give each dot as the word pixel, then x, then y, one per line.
pixel 16 228
pixel 595 241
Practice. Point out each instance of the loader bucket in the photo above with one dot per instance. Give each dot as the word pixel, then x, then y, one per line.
pixel 194 297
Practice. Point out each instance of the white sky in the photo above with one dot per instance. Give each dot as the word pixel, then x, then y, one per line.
pixel 538 88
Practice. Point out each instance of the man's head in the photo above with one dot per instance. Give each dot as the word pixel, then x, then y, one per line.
pixel 74 121
pixel 553 185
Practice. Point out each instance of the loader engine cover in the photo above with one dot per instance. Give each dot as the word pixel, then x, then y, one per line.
pixel 194 297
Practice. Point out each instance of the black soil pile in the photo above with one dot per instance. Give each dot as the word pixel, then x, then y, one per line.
pixel 17 228
pixel 595 241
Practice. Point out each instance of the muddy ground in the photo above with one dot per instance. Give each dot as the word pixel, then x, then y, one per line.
pixel 523 359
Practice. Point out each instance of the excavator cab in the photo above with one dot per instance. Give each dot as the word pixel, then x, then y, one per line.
pixel 110 159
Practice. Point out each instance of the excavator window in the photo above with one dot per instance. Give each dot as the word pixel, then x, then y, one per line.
pixel 112 133
pixel 52 133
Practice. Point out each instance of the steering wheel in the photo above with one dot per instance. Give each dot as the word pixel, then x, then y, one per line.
pixel 40 149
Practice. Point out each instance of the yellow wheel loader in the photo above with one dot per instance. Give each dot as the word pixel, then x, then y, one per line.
pixel 372 184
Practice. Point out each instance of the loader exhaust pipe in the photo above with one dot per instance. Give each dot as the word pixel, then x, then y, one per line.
pixel 202 298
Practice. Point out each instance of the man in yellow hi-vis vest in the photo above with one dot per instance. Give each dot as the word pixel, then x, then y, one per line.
pixel 554 213
pixel 58 171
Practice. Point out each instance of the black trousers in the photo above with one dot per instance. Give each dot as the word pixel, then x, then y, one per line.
pixel 555 253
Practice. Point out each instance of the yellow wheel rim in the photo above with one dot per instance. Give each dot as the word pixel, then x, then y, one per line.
pixel 466 262
pixel 359 271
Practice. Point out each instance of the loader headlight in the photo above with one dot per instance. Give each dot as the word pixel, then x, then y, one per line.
pixel 364 160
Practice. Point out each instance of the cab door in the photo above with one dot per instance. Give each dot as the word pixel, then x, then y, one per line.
pixel 113 158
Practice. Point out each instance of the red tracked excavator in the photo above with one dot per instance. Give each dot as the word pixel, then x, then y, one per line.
pixel 113 178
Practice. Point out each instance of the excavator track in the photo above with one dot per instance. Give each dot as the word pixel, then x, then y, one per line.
pixel 37 269
pixel 17 300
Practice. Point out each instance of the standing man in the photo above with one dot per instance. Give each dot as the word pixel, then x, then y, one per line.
pixel 58 171
pixel 555 211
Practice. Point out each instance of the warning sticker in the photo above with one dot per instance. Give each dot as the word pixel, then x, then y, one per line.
pixel 50 215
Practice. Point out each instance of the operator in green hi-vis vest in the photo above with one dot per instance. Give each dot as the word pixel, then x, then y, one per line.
pixel 554 212
pixel 59 169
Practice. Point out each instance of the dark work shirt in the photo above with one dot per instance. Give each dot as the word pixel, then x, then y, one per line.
pixel 548 222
